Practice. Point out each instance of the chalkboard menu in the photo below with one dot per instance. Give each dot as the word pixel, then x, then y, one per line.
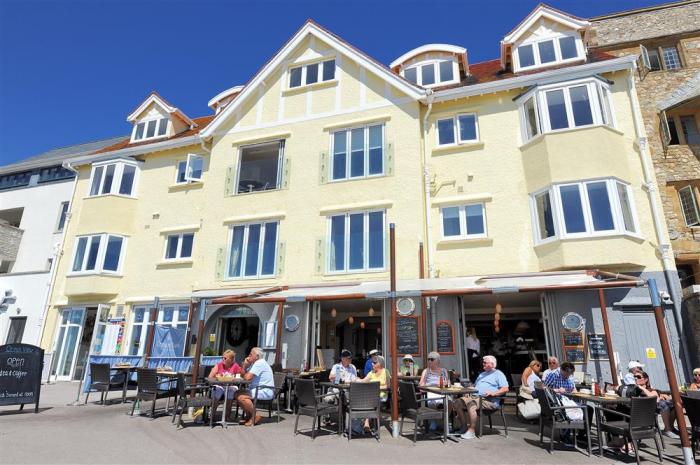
pixel 407 341
pixel 598 347
pixel 445 337
pixel 20 374
pixel 572 338
pixel 575 355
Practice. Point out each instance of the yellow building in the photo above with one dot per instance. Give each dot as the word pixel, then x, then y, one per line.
pixel 281 202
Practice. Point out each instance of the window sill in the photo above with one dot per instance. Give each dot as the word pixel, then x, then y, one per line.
pixel 109 195
pixel 464 241
pixel 314 86
pixel 329 274
pixel 358 178
pixel 263 191
pixel 185 186
pixel 79 274
pixel 177 263
pixel 462 146
pixel 588 237
pixel 248 278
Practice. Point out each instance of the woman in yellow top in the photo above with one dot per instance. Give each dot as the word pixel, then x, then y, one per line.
pixel 378 374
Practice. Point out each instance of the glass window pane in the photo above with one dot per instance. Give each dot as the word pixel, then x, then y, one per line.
pixel 92 253
pixel 446 71
pixel 626 205
pixel 295 77
pixel 167 313
pixel 186 248
pixel 135 339
pixel 557 109
pixel 163 126
pixel 475 219
pixel 171 247
pixel 76 317
pixel 689 206
pixel 182 314
pixel 599 201
pixel 531 118
pixel 114 248
pixel 109 177
pixel 411 74
pixel 181 171
pixel 236 257
pixel 568 48
pixel 80 254
pixel 151 128
pixel 269 245
pixel 450 221
pixel 690 130
pixel 427 74
pixel 339 155
pixel 671 58
pixel 526 56
pixel 62 216
pixel 376 240
pixel 337 252
pixel 357 239
pixel 573 210
pixel 312 73
pixel 127 182
pixel 376 150
pixel 96 180
pixel 467 127
pixel 654 60
pixel 138 315
pixel 196 167
pixel 253 250
pixel 357 155
pixel 328 70
pixel 546 49
pixel 581 106
pixel 139 131
pixel 446 132
pixel 545 220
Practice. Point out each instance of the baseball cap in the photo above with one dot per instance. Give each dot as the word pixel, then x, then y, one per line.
pixel 345 353
pixel 634 364
pixel 374 352
pixel 408 357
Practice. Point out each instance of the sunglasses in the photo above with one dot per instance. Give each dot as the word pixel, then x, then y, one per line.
pixel 431 359
pixel 638 377
pixel 696 374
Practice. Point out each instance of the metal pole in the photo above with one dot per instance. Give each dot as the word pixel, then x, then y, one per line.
pixel 151 334
pixel 392 334
pixel 423 303
pixel 198 344
pixel 190 317
pixel 608 338
pixel 671 372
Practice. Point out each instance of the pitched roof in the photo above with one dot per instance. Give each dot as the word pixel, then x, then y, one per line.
pixel 155 97
pixel 55 157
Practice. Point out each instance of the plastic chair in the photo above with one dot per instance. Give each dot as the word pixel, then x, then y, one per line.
pixel 147 388
pixel 555 417
pixel 414 408
pixel 310 404
pixel 101 381
pixel 639 424
pixel 185 401
pixel 364 403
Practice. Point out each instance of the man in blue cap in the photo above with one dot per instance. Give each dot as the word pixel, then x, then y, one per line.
pixel 368 364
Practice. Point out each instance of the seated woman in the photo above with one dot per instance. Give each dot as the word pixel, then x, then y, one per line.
pixel 664 404
pixel 695 385
pixel 410 367
pixel 227 366
pixel 431 377
pixel 378 374
pixel 531 375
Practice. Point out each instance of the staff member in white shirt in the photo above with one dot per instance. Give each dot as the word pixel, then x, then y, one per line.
pixel 473 350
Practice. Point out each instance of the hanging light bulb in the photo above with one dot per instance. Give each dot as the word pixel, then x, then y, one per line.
pixel 371 311
pixel 351 320
pixel 334 312
pixel 499 308
pixel 497 317
pixel 379 330
pixel 362 324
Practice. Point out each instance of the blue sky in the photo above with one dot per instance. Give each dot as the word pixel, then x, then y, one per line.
pixel 71 71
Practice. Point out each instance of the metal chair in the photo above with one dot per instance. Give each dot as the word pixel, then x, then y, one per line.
pixel 411 407
pixel 639 424
pixel 692 410
pixel 364 403
pixel 185 400
pixel 554 416
pixel 310 404
pixel 279 379
pixel 490 412
pixel 100 380
pixel 147 388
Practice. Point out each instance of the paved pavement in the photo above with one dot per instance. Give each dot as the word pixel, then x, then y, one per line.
pixel 95 434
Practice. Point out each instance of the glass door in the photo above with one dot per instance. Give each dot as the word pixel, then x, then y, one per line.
pixel 66 348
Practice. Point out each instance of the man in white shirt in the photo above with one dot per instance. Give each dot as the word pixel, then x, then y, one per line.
pixel 553 364
pixel 345 371
pixel 258 372
pixel 473 350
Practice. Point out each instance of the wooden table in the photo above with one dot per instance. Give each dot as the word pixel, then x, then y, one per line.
pixel 127 370
pixel 225 383
pixel 447 392
pixel 598 402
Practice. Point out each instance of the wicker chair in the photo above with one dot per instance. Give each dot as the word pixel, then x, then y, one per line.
pixel 639 424
pixel 489 412
pixel 147 388
pixel 555 417
pixel 692 409
pixel 185 401
pixel 279 379
pixel 364 403
pixel 100 380
pixel 411 407
pixel 310 404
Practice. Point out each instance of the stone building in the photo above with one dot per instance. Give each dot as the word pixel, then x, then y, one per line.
pixel 667 39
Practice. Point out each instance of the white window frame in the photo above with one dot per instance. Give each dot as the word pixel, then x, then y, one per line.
pixel 189 178
pixel 463 231
pixel 145 325
pixel 456 130
pixel 558 211
pixel 64 205
pixel 101 255
pixel 244 250
pixel 282 143
pixel 348 151
pixel 695 205
pixel 119 166
pixel 436 69
pixel 580 52
pixel 145 128
pixel 365 242
pixel 178 253
pixel 598 93
pixel 319 77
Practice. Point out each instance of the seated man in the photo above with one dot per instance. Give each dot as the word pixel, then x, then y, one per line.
pixel 345 371
pixel 634 368
pixel 490 383
pixel 258 372
pixel 561 380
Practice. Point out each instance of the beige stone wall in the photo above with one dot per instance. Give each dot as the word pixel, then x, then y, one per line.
pixel 10 238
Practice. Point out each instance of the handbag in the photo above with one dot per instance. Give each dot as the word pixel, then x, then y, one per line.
pixel 574 414
pixel 530 409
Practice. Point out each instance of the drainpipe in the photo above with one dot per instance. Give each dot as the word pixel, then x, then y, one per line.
pixel 202 143
pixel 664 248
pixel 430 96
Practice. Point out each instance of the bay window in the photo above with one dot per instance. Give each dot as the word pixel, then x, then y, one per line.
pixel 115 178
pixel 356 242
pixel 252 250
pixel 583 209
pixel 357 152
pixel 463 222
pixel 459 129
pixel 99 253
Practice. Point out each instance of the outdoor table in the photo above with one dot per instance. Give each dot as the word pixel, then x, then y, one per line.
pixel 225 383
pixel 598 402
pixel 170 376
pixel 127 370
pixel 446 392
pixel 409 378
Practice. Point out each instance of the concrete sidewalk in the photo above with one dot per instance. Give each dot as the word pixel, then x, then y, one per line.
pixel 97 434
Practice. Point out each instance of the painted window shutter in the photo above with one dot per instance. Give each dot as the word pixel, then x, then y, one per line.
pixel 220 264
pixel 644 55
pixel 228 187
pixel 665 130
pixel 280 259
pixel 320 256
pixel 323 168
pixel 286 173
pixel 389 159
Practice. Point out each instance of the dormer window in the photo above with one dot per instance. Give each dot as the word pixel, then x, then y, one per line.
pixel 547 52
pixel 151 129
pixel 312 73
pixel 432 73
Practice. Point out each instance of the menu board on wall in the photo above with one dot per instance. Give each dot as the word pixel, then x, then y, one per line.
pixel 407 336
pixel 575 355
pixel 597 347
pixel 574 345
pixel 445 337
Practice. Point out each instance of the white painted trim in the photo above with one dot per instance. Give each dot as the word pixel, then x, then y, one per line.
pixel 437 72
pixel 262 139
pixel 365 243
pixel 463 199
pixel 463 232
pixel 222 95
pixel 357 122
pixel 374 205
pixel 135 151
pixel 244 251
pixel 456 131
pixel 447 48
pixel 255 217
pixel 543 11
pixel 153 98
pixel 184 228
